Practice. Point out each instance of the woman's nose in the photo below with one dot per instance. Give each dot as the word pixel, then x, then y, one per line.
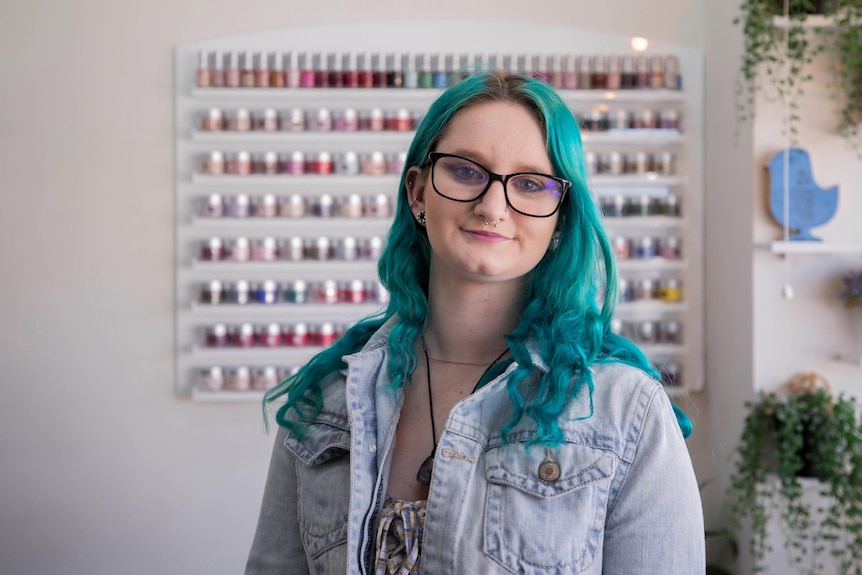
pixel 492 205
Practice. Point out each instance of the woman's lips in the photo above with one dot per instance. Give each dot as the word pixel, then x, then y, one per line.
pixel 485 236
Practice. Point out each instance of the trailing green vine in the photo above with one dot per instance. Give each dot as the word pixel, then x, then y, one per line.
pixel 778 55
pixel 800 434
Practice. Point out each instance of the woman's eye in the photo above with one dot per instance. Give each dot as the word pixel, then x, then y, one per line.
pixel 528 185
pixel 467 173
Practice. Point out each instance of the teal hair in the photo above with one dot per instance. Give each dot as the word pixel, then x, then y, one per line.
pixel 561 312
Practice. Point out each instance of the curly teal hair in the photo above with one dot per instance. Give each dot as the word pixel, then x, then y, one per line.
pixel 561 314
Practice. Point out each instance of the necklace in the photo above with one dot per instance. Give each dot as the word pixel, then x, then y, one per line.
pixel 423 476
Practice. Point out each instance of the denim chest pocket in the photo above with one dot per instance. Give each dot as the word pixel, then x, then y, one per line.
pixel 324 490
pixel 537 527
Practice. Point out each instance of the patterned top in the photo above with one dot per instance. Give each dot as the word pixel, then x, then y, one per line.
pixel 399 537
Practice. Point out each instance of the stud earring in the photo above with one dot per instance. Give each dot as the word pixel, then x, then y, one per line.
pixel 420 217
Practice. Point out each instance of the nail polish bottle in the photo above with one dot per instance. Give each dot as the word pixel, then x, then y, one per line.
pixel 336 75
pixel 277 77
pixel 378 76
pixel 291 69
pixel 366 75
pixel 213 121
pixel 214 164
pixel 217 79
pixel 457 64
pixel 411 75
pixel 394 75
pixel 231 74
pixel 540 68
pixel 525 65
pixel 203 75
pixel 672 77
pixel 306 70
pixel 585 77
pixel 627 73
pixel 656 68
pixel 570 72
pixel 614 75
pixel 498 61
pixel 346 120
pixel 426 79
pixel 295 291
pixel 246 71
pixel 239 250
pixel 261 71
pixel 642 74
pixel 350 74
pixel 440 77
pixel 556 71
pixel 598 73
pixel 210 378
pixel 321 72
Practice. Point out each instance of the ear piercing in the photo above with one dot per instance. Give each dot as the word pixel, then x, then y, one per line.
pixel 420 217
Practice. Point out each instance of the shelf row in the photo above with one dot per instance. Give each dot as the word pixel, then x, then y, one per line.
pixel 645 137
pixel 339 97
pixel 650 180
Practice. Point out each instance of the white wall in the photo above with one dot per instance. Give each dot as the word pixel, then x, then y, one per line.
pixel 104 470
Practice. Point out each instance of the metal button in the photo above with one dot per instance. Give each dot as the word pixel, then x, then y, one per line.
pixel 549 470
pixel 372 447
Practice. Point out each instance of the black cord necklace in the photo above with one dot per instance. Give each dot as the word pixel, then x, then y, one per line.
pixel 423 476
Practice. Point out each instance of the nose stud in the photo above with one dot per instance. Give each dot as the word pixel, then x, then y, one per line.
pixel 487 223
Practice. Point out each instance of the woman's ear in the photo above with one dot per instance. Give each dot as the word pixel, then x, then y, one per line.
pixel 415 188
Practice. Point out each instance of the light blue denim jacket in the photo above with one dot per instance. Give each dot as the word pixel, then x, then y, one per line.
pixel 626 500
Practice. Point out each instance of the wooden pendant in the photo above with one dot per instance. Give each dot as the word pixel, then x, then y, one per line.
pixel 425 471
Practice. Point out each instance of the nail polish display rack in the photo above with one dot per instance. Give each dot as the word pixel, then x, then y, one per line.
pixel 237 309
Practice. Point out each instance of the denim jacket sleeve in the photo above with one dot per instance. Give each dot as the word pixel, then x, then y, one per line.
pixel 656 523
pixel 277 548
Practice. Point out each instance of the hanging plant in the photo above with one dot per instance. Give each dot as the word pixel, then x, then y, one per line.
pixel 801 430
pixel 781 53
pixel 845 37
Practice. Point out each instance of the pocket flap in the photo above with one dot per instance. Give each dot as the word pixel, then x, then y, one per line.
pixel 579 465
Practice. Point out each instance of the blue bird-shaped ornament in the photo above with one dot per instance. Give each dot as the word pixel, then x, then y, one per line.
pixel 809 204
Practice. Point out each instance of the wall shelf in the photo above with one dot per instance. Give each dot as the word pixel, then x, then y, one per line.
pixel 815 248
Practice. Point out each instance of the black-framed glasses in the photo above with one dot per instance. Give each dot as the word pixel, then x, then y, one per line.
pixel 464 180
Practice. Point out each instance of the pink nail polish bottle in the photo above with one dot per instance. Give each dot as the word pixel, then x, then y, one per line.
pixel 291 69
pixel 306 71
pixel 232 75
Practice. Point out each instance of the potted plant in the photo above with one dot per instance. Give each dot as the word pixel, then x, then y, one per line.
pixel 782 52
pixel 801 430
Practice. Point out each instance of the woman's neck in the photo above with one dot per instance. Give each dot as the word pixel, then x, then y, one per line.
pixel 467 320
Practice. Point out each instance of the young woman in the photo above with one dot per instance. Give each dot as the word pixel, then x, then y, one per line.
pixel 488 422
